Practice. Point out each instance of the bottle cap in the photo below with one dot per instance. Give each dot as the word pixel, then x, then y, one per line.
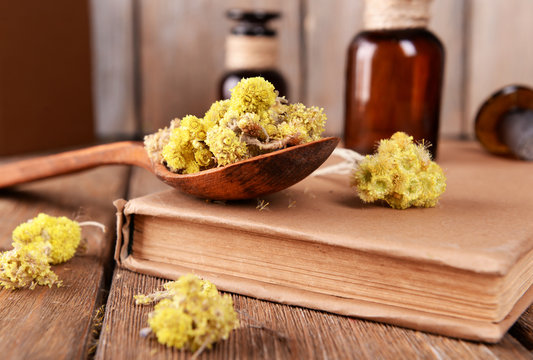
pixel 504 122
pixel 252 22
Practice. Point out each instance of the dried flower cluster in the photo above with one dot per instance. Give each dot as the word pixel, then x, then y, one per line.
pixel 37 243
pixel 191 314
pixel 400 173
pixel 252 122
pixel 58 236
pixel 23 267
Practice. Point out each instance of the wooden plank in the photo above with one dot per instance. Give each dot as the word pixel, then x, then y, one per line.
pixel 486 50
pixel 296 333
pixel 329 29
pixel 182 54
pixel 499 50
pixel 448 23
pixel 523 329
pixel 145 183
pixel 114 70
pixel 170 54
pixel 55 323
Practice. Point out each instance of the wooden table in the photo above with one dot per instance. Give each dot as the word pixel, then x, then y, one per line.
pixel 94 316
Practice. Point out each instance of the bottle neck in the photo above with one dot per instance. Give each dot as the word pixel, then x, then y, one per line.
pixel 396 14
pixel 251 52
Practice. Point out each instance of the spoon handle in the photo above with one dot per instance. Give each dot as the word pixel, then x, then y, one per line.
pixel 121 153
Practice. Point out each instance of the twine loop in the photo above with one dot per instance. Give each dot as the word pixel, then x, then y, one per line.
pixel 396 14
pixel 251 52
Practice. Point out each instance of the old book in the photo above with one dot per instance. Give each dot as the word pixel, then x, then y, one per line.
pixel 461 269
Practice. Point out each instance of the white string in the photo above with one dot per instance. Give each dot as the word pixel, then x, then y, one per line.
pixel 93 223
pixel 345 167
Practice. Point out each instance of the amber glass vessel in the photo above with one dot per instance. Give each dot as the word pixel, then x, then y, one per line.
pixel 251 50
pixel 504 122
pixel 393 83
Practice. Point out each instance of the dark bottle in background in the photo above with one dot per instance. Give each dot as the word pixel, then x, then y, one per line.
pixel 504 122
pixel 251 50
pixel 394 76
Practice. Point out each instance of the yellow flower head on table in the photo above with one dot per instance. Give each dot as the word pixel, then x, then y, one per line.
pixel 401 173
pixel 26 267
pixel 37 243
pixel 58 236
pixel 191 314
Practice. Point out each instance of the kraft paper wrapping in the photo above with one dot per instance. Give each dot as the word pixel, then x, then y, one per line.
pixel 482 224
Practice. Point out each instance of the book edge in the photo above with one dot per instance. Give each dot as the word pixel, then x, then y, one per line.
pixel 478 263
pixel 436 324
pixel 122 229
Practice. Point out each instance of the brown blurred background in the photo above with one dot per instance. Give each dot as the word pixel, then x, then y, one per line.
pixel 127 67
pixel 45 75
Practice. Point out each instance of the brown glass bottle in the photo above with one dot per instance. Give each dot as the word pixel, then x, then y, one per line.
pixel 504 122
pixel 393 83
pixel 251 50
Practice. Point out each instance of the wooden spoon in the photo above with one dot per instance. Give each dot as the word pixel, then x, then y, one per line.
pixel 246 179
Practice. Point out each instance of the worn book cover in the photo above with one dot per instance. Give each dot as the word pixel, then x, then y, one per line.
pixel 462 269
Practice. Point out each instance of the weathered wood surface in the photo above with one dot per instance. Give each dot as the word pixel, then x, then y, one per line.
pixel 55 323
pixel 499 47
pixel 292 333
pixel 306 334
pixel 182 50
pixel 523 329
pixel 448 18
pixel 328 30
pixel 114 67
pixel 314 37
pixel 143 183
pixel 169 55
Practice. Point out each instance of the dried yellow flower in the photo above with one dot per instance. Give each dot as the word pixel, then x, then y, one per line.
pixel 216 112
pixel 58 236
pixel 26 267
pixel 400 173
pixel 254 121
pixel 226 146
pixel 186 150
pixel 154 143
pixel 252 95
pixel 191 314
pixel 37 243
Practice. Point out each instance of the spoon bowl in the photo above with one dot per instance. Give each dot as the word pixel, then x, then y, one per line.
pixel 246 179
pixel 253 177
